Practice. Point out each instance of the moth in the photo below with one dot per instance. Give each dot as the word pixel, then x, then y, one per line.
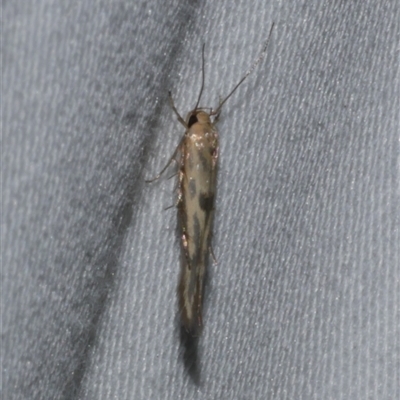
pixel 198 164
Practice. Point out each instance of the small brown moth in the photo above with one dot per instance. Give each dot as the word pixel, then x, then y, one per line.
pixel 198 163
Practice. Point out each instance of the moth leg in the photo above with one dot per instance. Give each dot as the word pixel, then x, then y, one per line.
pixel 210 249
pixel 217 112
pixel 164 169
pixel 179 197
pixel 180 119
pixel 172 176
pixel 216 118
pixel 173 205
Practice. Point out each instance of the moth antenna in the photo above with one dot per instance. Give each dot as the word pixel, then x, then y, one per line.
pixel 202 78
pixel 256 62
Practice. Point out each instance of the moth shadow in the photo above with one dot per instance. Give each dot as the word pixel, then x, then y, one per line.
pixel 190 351
pixel 190 355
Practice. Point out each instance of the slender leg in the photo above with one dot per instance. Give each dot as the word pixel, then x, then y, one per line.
pixel 212 254
pixel 180 119
pixel 163 170
pixel 173 175
pixel 216 118
pixel 216 113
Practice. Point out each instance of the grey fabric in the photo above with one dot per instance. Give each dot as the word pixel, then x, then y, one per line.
pixel 304 300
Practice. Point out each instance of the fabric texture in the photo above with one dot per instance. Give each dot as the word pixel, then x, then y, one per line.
pixel 303 302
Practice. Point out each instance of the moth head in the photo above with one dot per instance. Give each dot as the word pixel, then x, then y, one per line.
pixel 197 116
